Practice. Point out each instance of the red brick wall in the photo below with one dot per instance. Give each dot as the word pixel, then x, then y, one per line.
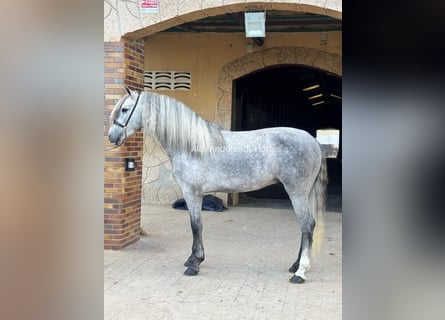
pixel 124 64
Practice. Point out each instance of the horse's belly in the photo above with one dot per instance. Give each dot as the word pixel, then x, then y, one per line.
pixel 231 183
pixel 244 188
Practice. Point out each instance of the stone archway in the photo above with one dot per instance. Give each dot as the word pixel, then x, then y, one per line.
pixel 262 59
pixel 124 19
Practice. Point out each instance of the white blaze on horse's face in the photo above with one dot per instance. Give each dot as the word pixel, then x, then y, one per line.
pixel 125 118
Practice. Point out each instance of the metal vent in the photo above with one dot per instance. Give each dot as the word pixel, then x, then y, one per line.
pixel 167 80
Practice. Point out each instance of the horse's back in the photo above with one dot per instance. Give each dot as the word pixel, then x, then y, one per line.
pixel 277 139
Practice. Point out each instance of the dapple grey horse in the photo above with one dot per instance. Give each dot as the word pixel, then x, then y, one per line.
pixel 206 158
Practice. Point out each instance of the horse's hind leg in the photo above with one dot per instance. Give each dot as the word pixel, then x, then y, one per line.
pixel 194 204
pixel 307 224
pixel 296 264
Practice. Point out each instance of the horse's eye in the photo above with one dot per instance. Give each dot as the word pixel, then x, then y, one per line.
pixel 124 110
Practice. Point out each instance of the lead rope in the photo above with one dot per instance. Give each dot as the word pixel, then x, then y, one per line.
pixel 112 148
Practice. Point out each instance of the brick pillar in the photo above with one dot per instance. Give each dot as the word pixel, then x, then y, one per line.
pixel 124 65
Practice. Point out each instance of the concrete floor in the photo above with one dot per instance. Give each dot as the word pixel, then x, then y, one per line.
pixel 248 251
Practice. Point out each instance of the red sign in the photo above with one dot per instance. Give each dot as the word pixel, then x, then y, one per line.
pixel 150 6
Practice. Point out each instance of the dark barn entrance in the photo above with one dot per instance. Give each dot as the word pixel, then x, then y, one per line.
pixel 291 96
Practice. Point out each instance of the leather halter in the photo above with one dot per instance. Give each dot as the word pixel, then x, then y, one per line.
pixel 124 126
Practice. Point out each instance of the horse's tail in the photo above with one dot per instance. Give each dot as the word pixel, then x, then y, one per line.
pixel 317 204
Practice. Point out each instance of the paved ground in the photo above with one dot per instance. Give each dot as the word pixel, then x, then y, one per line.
pixel 248 251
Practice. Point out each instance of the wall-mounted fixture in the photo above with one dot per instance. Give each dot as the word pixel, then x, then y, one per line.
pixel 323 38
pixel 255 24
pixel 130 164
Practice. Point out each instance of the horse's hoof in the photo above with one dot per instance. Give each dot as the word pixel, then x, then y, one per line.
pixel 293 269
pixel 296 279
pixel 187 263
pixel 191 271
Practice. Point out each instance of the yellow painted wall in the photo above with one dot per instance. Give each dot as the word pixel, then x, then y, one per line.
pixel 204 55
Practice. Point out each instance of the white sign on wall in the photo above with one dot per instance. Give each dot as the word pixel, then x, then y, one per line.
pixel 149 6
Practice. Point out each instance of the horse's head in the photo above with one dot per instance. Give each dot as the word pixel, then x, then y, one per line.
pixel 126 118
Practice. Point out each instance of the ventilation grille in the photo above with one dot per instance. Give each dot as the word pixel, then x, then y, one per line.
pixel 167 80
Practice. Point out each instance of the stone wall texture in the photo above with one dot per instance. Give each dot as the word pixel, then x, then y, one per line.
pixel 124 19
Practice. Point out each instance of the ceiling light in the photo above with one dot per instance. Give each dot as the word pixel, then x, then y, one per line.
pixel 317 103
pixel 316 96
pixel 255 23
pixel 315 86
pixel 335 96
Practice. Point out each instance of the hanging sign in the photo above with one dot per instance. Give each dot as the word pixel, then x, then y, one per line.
pixel 149 6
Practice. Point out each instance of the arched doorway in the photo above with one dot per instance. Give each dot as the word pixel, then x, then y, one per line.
pixel 291 96
pixel 317 59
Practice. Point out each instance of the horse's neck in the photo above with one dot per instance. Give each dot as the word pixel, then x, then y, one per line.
pixel 198 132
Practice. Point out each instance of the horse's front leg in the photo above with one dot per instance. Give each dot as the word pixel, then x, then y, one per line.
pixel 194 204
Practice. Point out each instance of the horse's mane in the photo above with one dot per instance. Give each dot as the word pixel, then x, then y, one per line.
pixel 178 127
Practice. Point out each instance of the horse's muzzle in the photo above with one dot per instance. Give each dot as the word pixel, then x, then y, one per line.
pixel 113 138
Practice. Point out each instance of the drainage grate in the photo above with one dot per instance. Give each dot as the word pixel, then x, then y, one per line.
pixel 167 80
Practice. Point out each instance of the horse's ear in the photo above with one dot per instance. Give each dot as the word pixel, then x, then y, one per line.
pixel 128 90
